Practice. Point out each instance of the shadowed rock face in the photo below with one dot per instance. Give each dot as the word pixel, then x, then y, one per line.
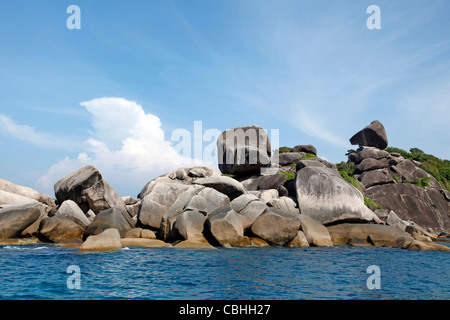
pixel 323 195
pixel 16 218
pixel 424 206
pixel 374 135
pixel 89 190
pixel 243 150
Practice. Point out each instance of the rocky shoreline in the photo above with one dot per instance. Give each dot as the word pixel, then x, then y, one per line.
pixel 302 201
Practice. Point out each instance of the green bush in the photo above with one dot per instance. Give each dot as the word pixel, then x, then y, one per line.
pixel 438 168
pixel 348 168
pixel 309 156
pixel 423 182
pixel 368 202
pixel 282 150
pixel 289 175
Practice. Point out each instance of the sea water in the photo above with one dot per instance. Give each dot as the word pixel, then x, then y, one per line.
pixel 340 272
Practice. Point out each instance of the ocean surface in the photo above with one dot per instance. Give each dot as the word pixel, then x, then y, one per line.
pixel 41 272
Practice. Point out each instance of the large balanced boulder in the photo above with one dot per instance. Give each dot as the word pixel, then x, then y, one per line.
pixel 275 226
pixel 243 150
pixel 89 190
pixel 326 197
pixel 373 135
pixel 110 218
pixel 108 239
pixel 14 219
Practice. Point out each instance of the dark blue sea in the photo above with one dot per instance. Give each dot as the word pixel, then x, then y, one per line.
pixel 41 272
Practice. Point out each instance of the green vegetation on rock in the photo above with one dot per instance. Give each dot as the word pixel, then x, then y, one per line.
pixel 309 156
pixel 346 170
pixel 282 150
pixel 438 168
pixel 289 175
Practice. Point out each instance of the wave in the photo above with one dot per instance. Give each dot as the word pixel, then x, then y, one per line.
pixel 24 248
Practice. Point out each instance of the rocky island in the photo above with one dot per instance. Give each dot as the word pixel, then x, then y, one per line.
pixel 292 198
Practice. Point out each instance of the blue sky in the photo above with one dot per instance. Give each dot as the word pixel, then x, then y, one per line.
pixel 112 93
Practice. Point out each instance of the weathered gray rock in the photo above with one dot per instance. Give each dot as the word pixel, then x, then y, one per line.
pixel 326 197
pixel 373 135
pixel 249 208
pixel 372 164
pixel 393 220
pixel 108 239
pixel 229 186
pixel 60 227
pixel 375 234
pixel 156 203
pixel 28 193
pixel 166 229
pixel 178 176
pixel 287 158
pixel 299 241
pixel 370 153
pixel 207 200
pixel 407 170
pixel 420 246
pixel 71 210
pixel 190 225
pixel 110 218
pixel 201 200
pixel 16 218
pixel 140 233
pixel 129 200
pixel 268 195
pixel 89 190
pixel 8 199
pixel 275 226
pixel 133 209
pixel 425 206
pixel 225 225
pixel 143 242
pixel 308 148
pixel 308 163
pixel 243 150
pixel 264 182
pixel 315 233
pixel 376 177
pixel 285 204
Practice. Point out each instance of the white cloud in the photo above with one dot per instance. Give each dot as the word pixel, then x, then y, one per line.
pixel 126 144
pixel 27 133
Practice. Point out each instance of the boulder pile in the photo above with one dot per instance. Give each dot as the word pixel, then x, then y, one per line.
pixel 302 201
pixel 395 182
